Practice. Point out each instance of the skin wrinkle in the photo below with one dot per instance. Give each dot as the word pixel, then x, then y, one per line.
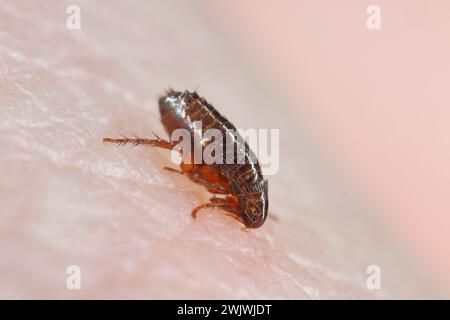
pixel 114 211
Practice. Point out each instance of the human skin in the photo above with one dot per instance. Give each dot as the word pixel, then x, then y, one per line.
pixel 68 199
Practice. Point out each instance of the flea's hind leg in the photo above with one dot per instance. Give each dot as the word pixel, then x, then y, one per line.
pixel 136 141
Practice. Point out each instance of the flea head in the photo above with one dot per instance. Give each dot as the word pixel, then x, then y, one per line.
pixel 254 207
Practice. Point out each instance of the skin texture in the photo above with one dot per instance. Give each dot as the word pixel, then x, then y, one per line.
pixel 68 199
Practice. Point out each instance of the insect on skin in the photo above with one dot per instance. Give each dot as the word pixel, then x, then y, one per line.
pixel 242 190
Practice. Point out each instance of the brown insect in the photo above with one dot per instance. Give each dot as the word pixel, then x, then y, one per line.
pixel 242 190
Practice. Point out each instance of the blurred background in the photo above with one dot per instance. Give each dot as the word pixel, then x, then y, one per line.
pixel 377 100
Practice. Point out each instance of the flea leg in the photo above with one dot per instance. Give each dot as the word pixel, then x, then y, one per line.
pixel 174 170
pixel 136 141
pixel 221 203
pixel 203 206
pixel 228 205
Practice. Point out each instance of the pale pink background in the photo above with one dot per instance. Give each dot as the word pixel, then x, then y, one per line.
pixel 377 100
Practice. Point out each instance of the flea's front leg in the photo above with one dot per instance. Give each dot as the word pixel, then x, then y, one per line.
pixel 228 205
